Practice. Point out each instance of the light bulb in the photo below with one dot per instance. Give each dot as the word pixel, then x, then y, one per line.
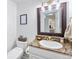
pixel 45 4
pixel 42 9
pixel 49 7
pixel 57 6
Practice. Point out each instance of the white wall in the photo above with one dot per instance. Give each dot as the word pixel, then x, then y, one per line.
pixel 11 24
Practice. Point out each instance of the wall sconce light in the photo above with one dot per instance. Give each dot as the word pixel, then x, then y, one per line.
pixel 50 3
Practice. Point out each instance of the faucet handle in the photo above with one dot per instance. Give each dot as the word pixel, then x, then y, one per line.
pixel 49 38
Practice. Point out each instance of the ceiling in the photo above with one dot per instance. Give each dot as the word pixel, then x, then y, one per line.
pixel 28 1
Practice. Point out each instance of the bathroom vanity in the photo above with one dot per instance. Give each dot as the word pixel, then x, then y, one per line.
pixel 50 42
pixel 40 52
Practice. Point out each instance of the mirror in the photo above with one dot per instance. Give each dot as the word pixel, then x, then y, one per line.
pixel 52 22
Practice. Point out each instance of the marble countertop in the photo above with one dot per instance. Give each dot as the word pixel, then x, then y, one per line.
pixel 67 50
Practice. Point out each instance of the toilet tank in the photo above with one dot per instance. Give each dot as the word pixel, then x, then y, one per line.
pixel 21 44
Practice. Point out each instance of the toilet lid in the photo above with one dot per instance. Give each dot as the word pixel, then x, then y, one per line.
pixel 15 53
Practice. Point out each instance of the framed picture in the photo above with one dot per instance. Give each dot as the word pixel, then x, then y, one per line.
pixel 23 19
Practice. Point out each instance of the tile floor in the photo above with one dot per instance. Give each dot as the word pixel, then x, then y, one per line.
pixel 25 56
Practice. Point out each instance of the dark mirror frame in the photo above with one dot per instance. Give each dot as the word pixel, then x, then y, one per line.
pixel 63 16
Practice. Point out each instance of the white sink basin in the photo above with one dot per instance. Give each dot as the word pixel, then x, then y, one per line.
pixel 50 44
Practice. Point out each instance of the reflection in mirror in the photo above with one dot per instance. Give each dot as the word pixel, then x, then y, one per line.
pixel 50 21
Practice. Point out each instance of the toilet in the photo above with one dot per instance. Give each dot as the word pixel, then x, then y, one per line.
pixel 17 52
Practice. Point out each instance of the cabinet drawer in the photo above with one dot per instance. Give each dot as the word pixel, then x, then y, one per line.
pixel 32 56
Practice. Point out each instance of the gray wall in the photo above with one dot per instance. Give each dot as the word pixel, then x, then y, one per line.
pixel 11 24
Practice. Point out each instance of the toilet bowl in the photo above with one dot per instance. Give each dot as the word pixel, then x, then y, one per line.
pixel 15 53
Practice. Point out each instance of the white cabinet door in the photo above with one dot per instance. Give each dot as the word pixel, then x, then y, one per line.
pixel 32 56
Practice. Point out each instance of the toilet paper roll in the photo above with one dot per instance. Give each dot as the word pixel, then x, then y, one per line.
pixel 27 50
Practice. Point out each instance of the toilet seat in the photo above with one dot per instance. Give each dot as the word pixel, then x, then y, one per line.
pixel 15 53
